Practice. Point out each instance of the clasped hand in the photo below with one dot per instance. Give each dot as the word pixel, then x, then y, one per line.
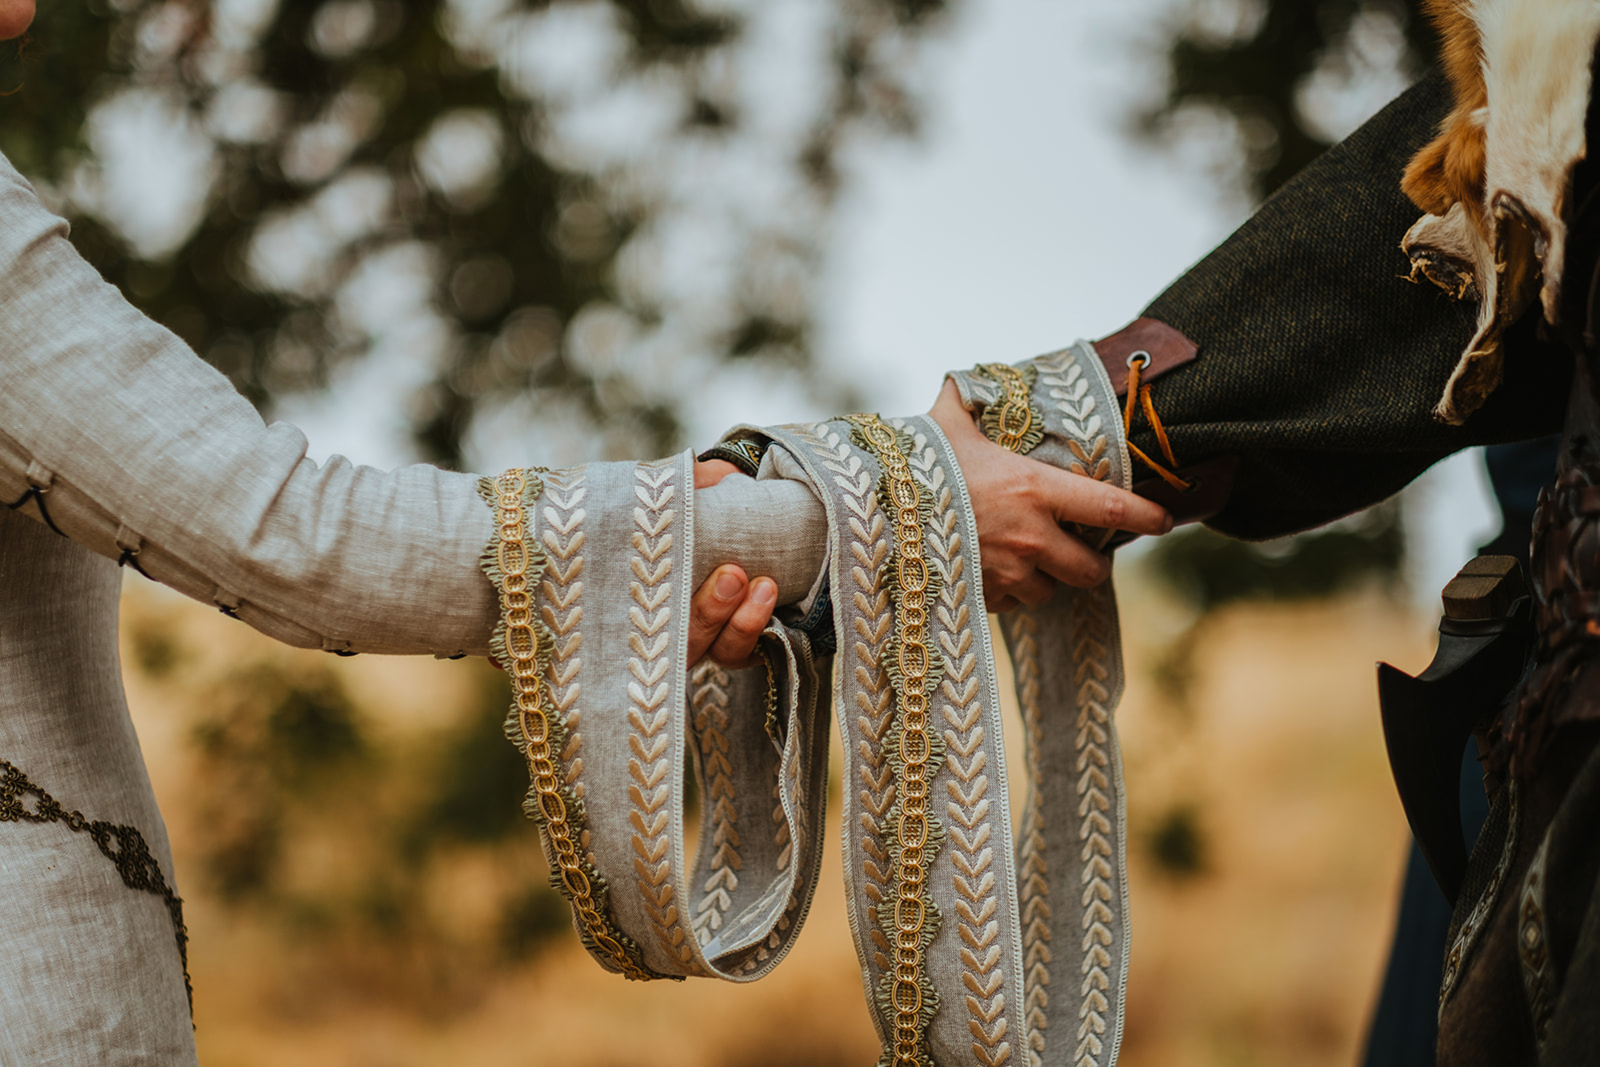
pixel 1021 507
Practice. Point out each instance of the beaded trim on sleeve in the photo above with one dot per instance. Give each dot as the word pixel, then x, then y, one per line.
pixel 915 750
pixel 521 643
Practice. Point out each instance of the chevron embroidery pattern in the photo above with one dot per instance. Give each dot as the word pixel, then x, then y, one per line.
pixel 650 689
pixel 968 803
pixel 563 539
pixel 1092 675
pixel 868 548
pixel 1064 381
pixel 1034 889
pixel 709 707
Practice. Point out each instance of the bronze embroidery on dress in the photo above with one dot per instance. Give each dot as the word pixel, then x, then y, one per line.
pixel 124 846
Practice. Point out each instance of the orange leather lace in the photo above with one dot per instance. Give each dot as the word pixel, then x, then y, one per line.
pixel 1139 396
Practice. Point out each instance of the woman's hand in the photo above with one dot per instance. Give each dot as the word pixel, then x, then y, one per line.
pixel 1021 505
pixel 728 611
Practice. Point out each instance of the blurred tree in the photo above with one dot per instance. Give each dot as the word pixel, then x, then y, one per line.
pixel 558 218
pixel 1290 76
pixel 278 747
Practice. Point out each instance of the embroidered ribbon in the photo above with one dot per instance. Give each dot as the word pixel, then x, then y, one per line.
pixel 974 947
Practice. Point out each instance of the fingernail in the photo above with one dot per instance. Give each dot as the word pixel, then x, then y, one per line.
pixel 765 592
pixel 1166 527
pixel 728 585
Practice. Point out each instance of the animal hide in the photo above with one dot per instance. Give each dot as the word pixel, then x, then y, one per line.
pixel 1494 182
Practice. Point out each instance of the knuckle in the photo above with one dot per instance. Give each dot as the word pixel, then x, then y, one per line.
pixel 1114 511
pixel 1090 570
pixel 1028 544
pixel 747 625
pixel 1007 575
pixel 1034 490
pixel 706 616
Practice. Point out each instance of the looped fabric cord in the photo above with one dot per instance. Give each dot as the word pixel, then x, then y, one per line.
pixel 1140 395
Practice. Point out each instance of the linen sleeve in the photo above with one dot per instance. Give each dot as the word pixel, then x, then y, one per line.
pixel 140 451
pixel 120 437
pixel 1319 359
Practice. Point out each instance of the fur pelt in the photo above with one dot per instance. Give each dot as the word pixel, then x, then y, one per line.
pixel 1494 182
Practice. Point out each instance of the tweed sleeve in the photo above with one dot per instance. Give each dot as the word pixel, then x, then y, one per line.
pixel 1319 360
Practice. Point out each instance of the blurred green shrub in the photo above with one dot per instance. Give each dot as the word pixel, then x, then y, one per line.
pixel 476 791
pixel 533 919
pixel 1206 570
pixel 1177 843
pixel 279 744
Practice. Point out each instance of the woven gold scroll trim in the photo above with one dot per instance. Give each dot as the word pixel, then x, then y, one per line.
pixel 916 751
pixel 522 643
pixel 1015 421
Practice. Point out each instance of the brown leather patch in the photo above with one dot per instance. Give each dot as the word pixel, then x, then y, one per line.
pixel 1210 485
pixel 1167 347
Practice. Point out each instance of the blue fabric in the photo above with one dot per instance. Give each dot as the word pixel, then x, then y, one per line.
pixel 1405 1027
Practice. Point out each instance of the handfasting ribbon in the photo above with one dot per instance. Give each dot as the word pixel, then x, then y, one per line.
pixel 602 711
pixel 974 947
pixel 1066 658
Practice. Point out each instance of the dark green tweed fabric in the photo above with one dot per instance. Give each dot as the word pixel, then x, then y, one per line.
pixel 1319 361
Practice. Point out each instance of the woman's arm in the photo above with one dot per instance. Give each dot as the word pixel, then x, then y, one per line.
pixel 116 434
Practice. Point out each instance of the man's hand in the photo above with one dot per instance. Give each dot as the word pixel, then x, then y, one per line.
pixel 1021 505
pixel 728 611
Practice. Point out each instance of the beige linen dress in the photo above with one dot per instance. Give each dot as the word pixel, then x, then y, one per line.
pixel 117 444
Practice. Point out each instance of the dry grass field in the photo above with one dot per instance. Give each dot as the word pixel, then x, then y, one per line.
pixel 1266 845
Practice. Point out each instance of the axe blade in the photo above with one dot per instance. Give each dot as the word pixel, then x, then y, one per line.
pixel 1425 737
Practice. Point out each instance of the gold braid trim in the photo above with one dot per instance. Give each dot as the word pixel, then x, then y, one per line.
pixel 916 752
pixel 1015 422
pixel 522 643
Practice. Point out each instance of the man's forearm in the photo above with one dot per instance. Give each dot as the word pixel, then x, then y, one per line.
pixel 1319 361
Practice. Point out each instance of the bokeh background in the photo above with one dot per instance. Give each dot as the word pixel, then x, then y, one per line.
pixel 486 232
